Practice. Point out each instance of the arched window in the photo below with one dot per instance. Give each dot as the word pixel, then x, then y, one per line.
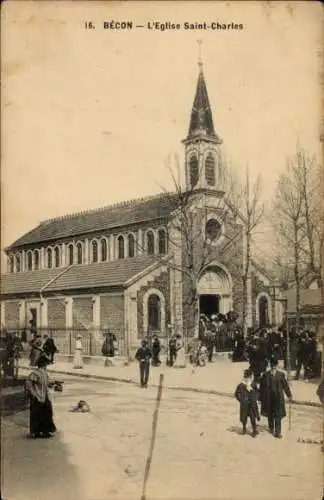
pixel 104 252
pixel 56 257
pixel 10 264
pixel 79 253
pixel 36 259
pixel 121 247
pixel 70 254
pixel 263 311
pixel 49 258
pixel 150 242
pixel 194 171
pixel 29 261
pixel 162 241
pixel 210 170
pixel 131 246
pixel 213 230
pixel 18 263
pixel 94 251
pixel 154 312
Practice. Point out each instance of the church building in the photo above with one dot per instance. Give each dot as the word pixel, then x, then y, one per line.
pixel 126 267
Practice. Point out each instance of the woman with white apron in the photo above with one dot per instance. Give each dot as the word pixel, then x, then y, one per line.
pixel 77 360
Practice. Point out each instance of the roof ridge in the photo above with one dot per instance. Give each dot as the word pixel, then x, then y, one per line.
pixel 118 204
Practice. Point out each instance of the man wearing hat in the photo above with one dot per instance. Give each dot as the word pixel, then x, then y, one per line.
pixel 143 355
pixel 273 386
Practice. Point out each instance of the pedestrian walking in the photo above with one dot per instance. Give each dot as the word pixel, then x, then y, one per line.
pixel 302 355
pixel 172 349
pixel 77 360
pixel 108 346
pixel 156 349
pixel 180 361
pixel 41 411
pixel 246 394
pixel 49 348
pixel 273 386
pixel 143 356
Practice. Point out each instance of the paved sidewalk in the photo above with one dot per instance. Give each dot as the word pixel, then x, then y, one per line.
pixel 219 377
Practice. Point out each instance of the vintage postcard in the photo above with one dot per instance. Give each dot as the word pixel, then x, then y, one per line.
pixel 162 246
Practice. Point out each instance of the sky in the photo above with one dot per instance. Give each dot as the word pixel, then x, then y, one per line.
pixel 91 116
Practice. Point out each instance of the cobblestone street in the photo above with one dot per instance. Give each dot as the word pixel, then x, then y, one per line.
pixel 199 452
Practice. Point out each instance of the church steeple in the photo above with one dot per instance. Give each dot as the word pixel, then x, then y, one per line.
pixel 203 157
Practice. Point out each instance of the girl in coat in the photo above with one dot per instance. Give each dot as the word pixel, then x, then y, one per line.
pixel 247 395
pixel 77 360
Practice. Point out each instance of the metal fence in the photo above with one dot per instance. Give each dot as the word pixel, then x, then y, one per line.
pixel 65 340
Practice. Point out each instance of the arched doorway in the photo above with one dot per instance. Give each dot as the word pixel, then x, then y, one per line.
pixel 215 291
pixel 263 306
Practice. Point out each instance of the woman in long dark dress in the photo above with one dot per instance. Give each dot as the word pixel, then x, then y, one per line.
pixel 41 411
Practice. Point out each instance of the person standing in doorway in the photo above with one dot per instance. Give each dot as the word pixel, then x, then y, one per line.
pixel 143 356
pixel 172 349
pixel 77 360
pixel 273 386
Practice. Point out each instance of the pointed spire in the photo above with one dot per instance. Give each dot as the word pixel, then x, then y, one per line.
pixel 201 120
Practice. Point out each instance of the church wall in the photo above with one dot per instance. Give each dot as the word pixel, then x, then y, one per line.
pixel 82 312
pixel 11 314
pixel 56 313
pixel 112 314
pixel 161 283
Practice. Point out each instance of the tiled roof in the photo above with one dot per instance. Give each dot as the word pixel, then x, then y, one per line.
pixel 308 298
pixel 103 274
pixel 31 281
pixel 126 213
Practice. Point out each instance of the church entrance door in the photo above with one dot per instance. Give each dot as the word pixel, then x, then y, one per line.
pixel 208 304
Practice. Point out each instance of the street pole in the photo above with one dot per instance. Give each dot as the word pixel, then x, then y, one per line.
pixel 288 340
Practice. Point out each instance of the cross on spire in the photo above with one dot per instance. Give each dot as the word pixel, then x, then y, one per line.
pixel 200 63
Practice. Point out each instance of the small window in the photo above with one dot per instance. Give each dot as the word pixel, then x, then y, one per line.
pixel 104 253
pixel 194 171
pixel 121 247
pixel 210 170
pixel 71 254
pixel 94 251
pixel 150 241
pixel 79 253
pixel 131 245
pixel 154 312
pixel 29 261
pixel 49 258
pixel 213 230
pixel 162 241
pixel 57 257
pixel 36 259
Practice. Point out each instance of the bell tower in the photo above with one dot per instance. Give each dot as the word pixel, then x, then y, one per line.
pixel 202 144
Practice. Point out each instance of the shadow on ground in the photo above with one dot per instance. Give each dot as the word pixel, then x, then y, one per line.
pixel 34 469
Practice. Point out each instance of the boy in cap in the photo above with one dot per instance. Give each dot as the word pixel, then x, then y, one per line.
pixel 247 395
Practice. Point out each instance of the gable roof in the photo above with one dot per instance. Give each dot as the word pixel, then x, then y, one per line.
pixel 76 277
pixel 309 298
pixel 113 216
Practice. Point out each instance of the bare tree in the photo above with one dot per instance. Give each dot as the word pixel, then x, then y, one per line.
pixel 287 217
pixel 253 213
pixel 238 207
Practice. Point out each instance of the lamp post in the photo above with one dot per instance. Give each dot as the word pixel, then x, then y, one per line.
pixel 285 302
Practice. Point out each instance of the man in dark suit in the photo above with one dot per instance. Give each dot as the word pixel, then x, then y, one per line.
pixel 273 386
pixel 143 356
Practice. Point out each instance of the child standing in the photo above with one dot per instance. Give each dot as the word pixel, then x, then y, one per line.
pixel 247 395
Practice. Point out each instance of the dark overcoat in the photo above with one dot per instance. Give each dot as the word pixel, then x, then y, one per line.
pixel 248 401
pixel 273 402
